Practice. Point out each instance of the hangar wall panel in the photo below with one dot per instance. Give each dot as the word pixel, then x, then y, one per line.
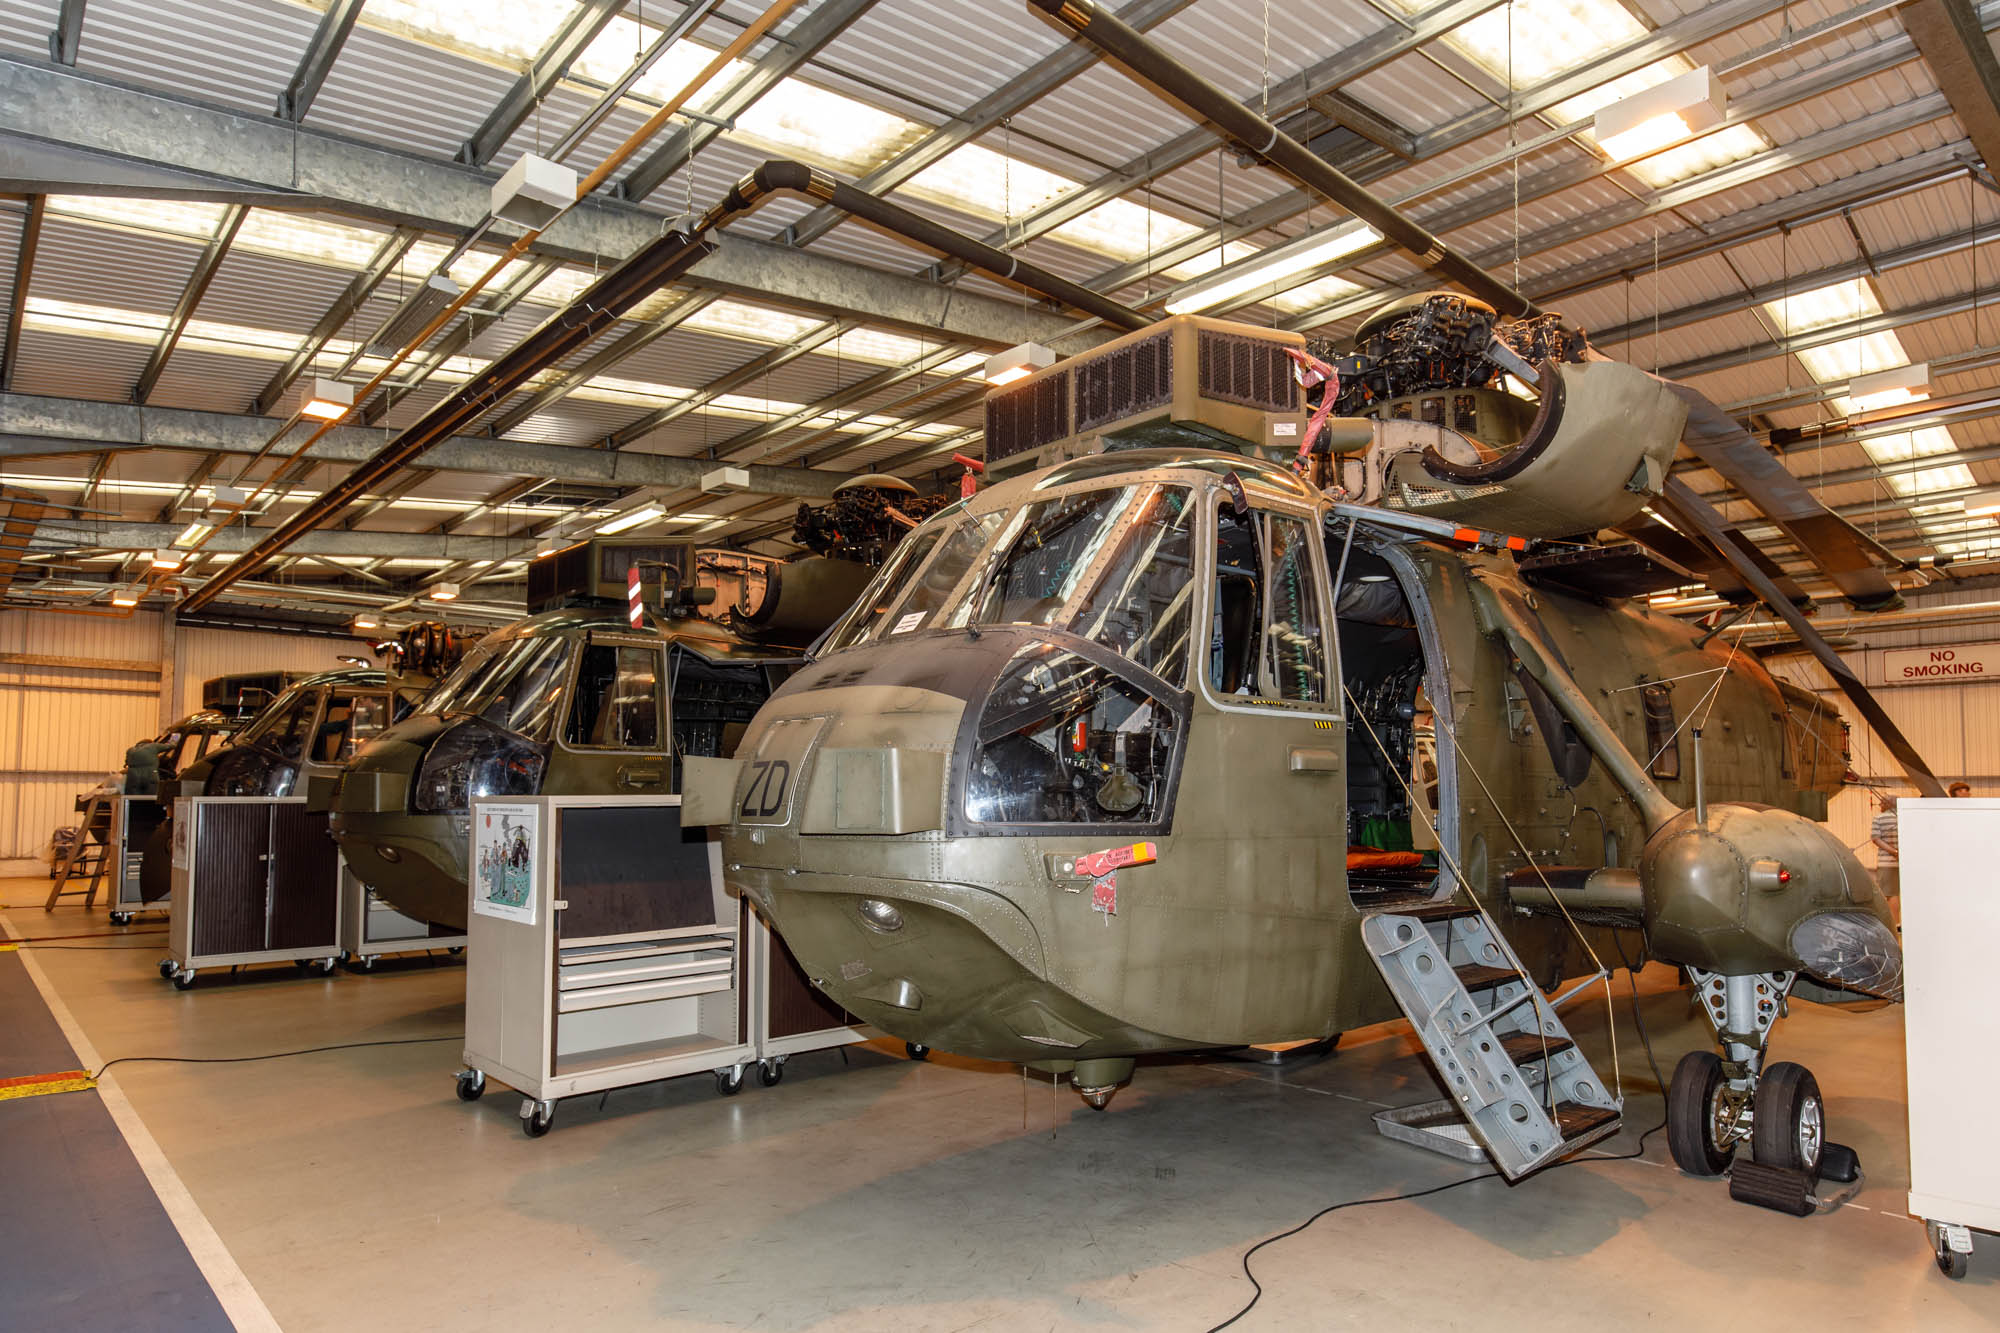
pixel 64 724
pixel 1955 727
pixel 200 654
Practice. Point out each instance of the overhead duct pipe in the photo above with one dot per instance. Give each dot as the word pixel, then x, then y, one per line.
pixel 660 262
pixel 1127 48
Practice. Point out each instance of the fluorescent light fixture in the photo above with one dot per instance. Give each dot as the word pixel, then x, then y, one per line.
pixel 1887 388
pixel 1268 268
pixel 632 519
pixel 193 533
pixel 414 315
pixel 167 558
pixel 128 594
pixel 444 592
pixel 1662 114
pixel 1017 363
pixel 325 400
pixel 533 192
pixel 367 620
pixel 724 480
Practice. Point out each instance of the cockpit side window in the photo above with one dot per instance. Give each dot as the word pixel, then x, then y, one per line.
pixel 1266 636
pixel 286 731
pixel 615 704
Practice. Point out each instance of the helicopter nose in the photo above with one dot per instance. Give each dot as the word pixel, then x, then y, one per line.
pixel 1851 949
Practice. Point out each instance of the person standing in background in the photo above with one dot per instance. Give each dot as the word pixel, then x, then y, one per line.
pixel 1958 790
pixel 1882 832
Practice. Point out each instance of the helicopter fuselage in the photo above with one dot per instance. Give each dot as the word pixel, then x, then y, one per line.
pixel 1054 796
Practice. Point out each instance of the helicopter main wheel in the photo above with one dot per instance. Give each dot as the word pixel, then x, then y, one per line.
pixel 1695 1116
pixel 916 1050
pixel 769 1072
pixel 729 1082
pixel 1788 1128
pixel 471 1085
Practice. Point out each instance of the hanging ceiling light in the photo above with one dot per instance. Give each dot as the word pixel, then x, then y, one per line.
pixel 1660 115
pixel 1887 388
pixel 367 620
pixel 168 558
pixel 1017 363
pixel 130 594
pixel 632 519
pixel 444 592
pixel 1268 268
pixel 414 315
pixel 323 400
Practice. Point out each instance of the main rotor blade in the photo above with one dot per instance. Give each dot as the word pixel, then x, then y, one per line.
pixel 1846 555
pixel 1697 515
pixel 1714 571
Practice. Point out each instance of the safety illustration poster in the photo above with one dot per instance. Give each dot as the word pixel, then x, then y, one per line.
pixel 503 862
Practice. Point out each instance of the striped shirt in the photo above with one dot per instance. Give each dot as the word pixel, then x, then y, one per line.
pixel 1883 832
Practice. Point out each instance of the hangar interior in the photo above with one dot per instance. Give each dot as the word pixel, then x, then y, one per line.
pixel 334 328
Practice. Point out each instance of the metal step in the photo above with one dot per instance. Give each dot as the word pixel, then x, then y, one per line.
pixel 1511 1069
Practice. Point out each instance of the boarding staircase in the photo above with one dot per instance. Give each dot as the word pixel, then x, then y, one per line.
pixel 1521 1094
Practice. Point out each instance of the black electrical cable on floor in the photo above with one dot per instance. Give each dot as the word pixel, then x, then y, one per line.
pixel 274 1055
pixel 1636 1152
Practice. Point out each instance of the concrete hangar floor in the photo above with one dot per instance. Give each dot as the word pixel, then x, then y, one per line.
pixel 351 1188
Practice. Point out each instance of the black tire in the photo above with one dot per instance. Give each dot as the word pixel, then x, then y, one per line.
pixel 183 981
pixel 537 1124
pixel 1691 1107
pixel 917 1050
pixel 326 967
pixel 770 1072
pixel 168 967
pixel 470 1089
pixel 1789 1128
pixel 121 918
pixel 728 1082
pixel 1949 1261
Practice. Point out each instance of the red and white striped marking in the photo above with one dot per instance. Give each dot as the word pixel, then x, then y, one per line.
pixel 635 597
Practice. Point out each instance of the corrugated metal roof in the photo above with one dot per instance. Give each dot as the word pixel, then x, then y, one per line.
pixel 928 62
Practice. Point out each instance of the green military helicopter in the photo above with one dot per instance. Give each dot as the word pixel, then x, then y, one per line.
pixel 1156 744
pixel 591 693
pixel 313 727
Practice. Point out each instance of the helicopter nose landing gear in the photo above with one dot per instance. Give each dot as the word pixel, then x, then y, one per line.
pixel 1718 1104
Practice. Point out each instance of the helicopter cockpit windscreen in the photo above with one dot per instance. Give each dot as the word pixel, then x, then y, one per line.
pixel 1073 735
pixel 516 685
pixel 1113 565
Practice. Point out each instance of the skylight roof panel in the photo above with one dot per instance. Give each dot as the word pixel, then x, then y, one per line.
pixel 509 33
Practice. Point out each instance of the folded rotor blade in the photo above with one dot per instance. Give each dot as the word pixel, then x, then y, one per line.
pixel 1713 570
pixel 1850 558
pixel 1698 516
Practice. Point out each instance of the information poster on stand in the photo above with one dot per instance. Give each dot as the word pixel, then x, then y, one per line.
pixel 503 862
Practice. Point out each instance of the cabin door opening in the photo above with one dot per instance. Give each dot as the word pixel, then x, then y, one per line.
pixel 1395 795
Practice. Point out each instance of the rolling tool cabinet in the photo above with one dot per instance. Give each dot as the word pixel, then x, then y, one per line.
pixel 603 952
